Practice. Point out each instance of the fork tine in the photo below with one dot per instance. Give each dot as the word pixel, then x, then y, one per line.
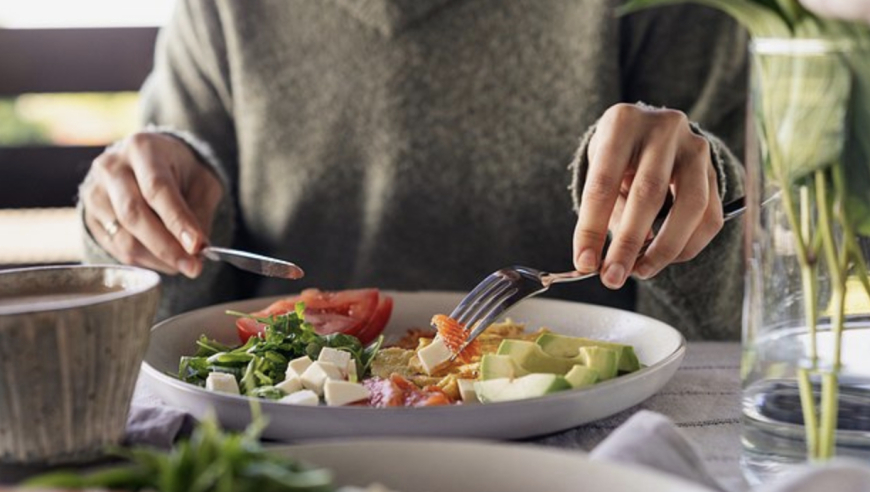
pixel 497 305
pixel 473 297
pixel 482 303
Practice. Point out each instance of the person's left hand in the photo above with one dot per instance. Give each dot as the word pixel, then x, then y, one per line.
pixel 637 157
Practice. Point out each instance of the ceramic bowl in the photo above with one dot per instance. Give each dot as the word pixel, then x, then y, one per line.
pixel 72 339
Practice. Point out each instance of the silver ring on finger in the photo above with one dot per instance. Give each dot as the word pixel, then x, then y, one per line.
pixel 111 227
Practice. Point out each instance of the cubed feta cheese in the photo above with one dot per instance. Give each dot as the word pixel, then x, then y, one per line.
pixel 337 392
pixel 297 366
pixel 317 374
pixel 338 357
pixel 303 397
pixel 434 356
pixel 467 391
pixel 290 385
pixel 222 382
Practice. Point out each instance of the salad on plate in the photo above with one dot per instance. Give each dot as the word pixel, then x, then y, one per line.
pixel 326 348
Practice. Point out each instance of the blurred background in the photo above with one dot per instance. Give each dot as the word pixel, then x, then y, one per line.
pixel 69 75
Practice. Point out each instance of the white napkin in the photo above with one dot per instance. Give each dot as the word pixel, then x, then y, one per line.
pixel 650 439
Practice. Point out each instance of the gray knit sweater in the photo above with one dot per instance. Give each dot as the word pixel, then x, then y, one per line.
pixel 422 144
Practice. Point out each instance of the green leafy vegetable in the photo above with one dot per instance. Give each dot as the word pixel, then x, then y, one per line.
pixel 261 362
pixel 211 460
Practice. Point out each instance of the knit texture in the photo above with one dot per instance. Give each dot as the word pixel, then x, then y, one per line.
pixel 422 144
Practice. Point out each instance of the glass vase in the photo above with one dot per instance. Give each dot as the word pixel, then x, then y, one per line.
pixel 806 329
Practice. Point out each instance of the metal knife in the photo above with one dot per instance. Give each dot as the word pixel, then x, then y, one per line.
pixel 252 262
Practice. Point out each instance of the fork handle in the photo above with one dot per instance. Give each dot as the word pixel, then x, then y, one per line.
pixel 557 278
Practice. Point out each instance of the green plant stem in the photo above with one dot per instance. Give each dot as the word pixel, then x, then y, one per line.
pixel 809 277
pixel 836 268
pixel 808 408
pixel 829 403
pixel 800 221
pixel 829 246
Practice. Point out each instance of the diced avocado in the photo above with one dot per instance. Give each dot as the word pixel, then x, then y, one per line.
pixel 532 358
pixel 567 346
pixel 580 376
pixel 494 366
pixel 528 386
pixel 601 359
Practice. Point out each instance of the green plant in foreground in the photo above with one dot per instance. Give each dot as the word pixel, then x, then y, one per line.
pixel 812 117
pixel 210 461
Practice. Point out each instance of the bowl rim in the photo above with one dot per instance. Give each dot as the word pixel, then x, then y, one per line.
pixel 151 280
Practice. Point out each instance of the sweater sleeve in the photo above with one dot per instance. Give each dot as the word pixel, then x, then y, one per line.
pixel 188 95
pixel 693 59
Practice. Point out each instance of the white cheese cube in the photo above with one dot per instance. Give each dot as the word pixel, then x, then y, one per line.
pixel 337 392
pixel 434 356
pixel 317 374
pixel 297 366
pixel 338 357
pixel 304 397
pixel 467 391
pixel 290 385
pixel 222 382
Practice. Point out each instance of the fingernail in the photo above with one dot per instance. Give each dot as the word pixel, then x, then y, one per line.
pixel 614 276
pixel 188 268
pixel 587 262
pixel 644 271
pixel 187 242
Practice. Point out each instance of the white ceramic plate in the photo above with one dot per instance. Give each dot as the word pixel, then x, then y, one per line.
pixel 427 465
pixel 659 347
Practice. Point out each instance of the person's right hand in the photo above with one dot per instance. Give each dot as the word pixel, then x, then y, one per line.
pixel 149 202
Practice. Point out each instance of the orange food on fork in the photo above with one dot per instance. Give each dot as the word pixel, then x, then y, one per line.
pixel 455 335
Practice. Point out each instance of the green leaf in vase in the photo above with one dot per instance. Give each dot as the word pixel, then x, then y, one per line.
pixel 804 101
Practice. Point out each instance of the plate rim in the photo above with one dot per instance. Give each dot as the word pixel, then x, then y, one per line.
pixel 640 470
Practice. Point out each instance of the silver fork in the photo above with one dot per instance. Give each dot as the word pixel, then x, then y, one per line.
pixel 504 288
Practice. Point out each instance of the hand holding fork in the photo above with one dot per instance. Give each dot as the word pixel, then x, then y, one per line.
pixel 505 288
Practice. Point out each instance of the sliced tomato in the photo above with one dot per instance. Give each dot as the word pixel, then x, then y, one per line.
pixel 359 312
pixel 377 322
pixel 327 323
pixel 248 327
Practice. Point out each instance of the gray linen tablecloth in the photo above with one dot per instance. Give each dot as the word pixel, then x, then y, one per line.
pixel 703 400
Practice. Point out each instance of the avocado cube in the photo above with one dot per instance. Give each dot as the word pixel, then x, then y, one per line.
pixel 580 376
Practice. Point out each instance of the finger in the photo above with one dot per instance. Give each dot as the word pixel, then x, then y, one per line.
pixel 616 216
pixel 600 192
pixel 691 199
pixel 648 192
pixel 711 223
pixel 138 219
pixel 132 252
pixel 161 190
pixel 120 244
pixel 204 195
